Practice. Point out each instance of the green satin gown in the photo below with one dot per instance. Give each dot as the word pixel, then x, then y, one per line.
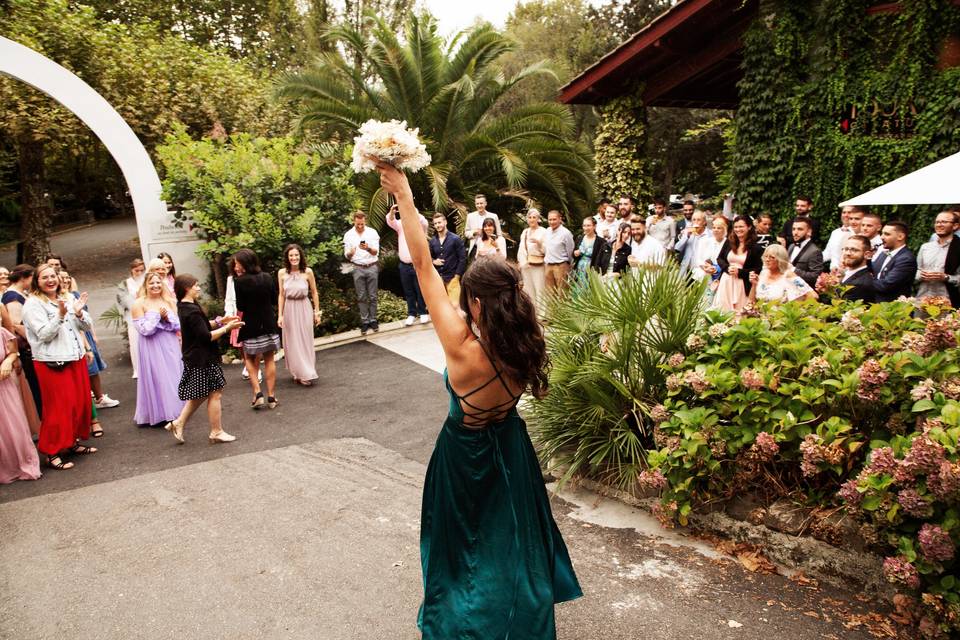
pixel 493 561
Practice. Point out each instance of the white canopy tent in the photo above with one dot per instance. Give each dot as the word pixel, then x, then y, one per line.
pixel 938 183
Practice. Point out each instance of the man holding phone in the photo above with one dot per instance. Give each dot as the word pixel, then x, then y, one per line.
pixel 408 277
pixel 361 246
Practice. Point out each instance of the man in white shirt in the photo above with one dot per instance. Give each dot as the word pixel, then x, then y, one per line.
pixel 933 276
pixel 850 218
pixel 475 221
pixel 361 246
pixel 660 226
pixel 644 250
pixel 693 232
pixel 870 226
pixel 558 252
pixel 608 224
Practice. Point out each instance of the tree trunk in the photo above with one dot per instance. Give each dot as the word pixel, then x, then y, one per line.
pixel 36 208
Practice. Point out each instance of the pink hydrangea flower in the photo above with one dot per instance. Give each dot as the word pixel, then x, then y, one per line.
pixel 765 447
pixel 899 571
pixel 872 377
pixel 935 543
pixel 652 480
pixel 674 381
pixel 914 504
pixel 676 360
pixel 882 460
pixel 695 342
pixel 659 413
pixel 945 483
pixel 813 456
pixel 850 494
pixel 697 381
pixel 924 456
pixel 924 390
pixel 751 379
pixel 817 367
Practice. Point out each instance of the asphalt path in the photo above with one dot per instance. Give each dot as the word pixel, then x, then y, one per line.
pixel 307 525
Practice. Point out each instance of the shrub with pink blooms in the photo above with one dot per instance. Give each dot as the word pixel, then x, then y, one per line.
pixel 838 404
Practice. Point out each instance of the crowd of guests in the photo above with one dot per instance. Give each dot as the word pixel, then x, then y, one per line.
pixel 50 363
pixel 741 258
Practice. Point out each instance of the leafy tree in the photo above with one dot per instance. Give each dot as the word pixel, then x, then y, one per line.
pixel 258 193
pixel 153 81
pixel 447 90
pixel 563 33
pixel 625 17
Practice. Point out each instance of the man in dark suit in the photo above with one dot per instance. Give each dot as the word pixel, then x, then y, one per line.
pixel 856 270
pixel 805 256
pixel 803 209
pixel 895 266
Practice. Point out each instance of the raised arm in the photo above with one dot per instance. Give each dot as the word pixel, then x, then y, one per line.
pixel 450 327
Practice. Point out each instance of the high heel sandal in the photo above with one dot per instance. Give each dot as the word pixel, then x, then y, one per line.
pixel 272 402
pixel 258 401
pixel 175 429
pixel 59 464
pixel 80 450
pixel 221 436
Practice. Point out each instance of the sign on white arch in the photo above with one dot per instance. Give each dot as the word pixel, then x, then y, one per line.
pixel 154 224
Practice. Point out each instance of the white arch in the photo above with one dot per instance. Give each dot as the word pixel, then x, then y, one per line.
pixel 153 221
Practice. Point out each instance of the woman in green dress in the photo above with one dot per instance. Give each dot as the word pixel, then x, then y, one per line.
pixel 493 561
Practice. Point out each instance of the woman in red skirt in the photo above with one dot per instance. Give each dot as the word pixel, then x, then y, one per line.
pixel 55 326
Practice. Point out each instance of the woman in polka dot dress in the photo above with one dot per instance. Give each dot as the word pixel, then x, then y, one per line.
pixel 202 376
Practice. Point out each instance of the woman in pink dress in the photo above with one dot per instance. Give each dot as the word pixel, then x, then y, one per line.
pixel 299 312
pixel 18 455
pixel 739 256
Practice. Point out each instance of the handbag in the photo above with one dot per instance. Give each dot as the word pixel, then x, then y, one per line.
pixel 235 334
pixel 531 259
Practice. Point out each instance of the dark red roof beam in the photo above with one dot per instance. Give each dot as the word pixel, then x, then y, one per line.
pixel 646 37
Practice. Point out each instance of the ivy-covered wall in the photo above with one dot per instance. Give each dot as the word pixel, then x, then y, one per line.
pixel 836 101
pixel 620 165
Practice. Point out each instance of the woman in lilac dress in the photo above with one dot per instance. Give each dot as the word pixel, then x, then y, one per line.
pixel 299 313
pixel 18 455
pixel 155 318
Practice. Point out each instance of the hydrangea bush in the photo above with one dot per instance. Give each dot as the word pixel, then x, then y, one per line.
pixel 836 404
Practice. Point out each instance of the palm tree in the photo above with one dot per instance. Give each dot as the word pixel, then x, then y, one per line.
pixel 447 91
pixel 606 343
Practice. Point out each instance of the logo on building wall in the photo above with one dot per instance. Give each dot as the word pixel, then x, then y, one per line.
pixel 895 120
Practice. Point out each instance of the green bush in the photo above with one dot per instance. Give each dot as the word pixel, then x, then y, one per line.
pixel 338 300
pixel 606 342
pixel 260 194
pixel 827 404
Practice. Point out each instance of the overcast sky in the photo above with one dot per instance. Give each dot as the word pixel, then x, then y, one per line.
pixel 454 15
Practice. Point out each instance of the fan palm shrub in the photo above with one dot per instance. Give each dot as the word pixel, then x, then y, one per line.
pixel 447 90
pixel 607 342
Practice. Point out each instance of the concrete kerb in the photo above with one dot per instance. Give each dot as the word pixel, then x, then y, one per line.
pixel 340 339
pixel 816 559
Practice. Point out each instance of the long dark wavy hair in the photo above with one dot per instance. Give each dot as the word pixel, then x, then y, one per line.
pixel 173 268
pixel 508 324
pixel 286 257
pixel 751 238
pixel 248 260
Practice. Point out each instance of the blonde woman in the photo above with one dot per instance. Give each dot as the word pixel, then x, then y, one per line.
pixel 778 282
pixel 55 326
pixel 158 327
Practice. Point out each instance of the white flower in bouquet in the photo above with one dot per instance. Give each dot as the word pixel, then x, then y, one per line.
pixel 389 142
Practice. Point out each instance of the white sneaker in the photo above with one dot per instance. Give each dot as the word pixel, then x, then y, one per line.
pixel 245 374
pixel 409 321
pixel 425 318
pixel 106 402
